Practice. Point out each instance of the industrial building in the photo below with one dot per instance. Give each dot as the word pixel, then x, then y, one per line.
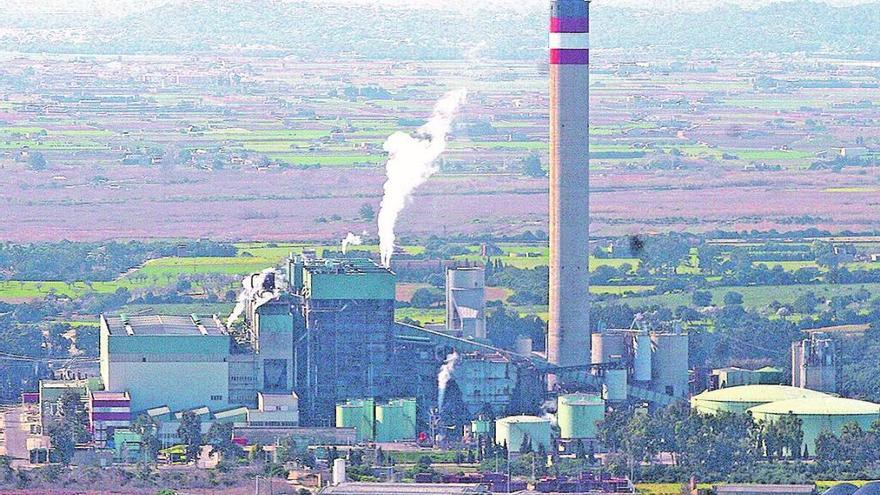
pixel 742 398
pixel 180 362
pixel 819 413
pixel 466 302
pixel 814 364
pixel 650 365
pixel 329 335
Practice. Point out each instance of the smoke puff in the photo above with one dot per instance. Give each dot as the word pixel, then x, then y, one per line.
pixel 248 291
pixel 446 372
pixel 411 163
pixel 351 240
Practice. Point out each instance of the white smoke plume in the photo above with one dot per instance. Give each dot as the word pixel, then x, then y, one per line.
pixel 411 163
pixel 249 290
pixel 351 240
pixel 446 372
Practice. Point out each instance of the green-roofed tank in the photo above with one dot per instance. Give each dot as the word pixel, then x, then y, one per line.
pixel 819 413
pixel 739 399
pixel 577 415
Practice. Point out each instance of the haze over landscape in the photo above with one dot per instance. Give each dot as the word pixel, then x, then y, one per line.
pixel 440 247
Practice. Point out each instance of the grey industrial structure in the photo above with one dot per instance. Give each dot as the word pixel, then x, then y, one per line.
pixel 568 338
pixel 814 363
pixel 466 302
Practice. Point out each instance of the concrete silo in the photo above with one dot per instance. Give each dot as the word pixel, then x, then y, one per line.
pixel 466 302
pixel 577 415
pixel 608 347
pixel 642 350
pixel 670 363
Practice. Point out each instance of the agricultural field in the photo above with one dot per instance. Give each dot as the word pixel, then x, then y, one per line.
pixel 263 148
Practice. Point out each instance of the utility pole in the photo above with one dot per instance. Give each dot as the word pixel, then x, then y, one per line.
pixel 257 485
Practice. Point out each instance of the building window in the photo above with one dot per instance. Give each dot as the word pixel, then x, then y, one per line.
pixel 216 397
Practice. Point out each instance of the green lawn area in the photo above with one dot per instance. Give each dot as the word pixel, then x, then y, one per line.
pixel 755 296
pixel 326 160
pixel 423 316
pixel 789 266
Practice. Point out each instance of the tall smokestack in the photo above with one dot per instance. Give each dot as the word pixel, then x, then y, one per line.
pixel 569 328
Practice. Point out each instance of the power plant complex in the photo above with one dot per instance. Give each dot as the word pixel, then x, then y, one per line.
pixel 313 348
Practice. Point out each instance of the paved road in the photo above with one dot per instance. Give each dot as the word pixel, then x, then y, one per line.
pixel 15 433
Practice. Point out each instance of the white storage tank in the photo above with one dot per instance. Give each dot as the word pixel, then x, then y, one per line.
pixel 641 357
pixel 614 385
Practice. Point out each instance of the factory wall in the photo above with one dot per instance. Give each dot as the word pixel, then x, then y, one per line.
pixel 177 384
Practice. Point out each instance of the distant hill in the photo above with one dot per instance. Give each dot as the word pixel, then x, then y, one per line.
pixel 312 30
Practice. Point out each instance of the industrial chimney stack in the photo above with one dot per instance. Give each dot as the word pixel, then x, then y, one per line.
pixel 569 331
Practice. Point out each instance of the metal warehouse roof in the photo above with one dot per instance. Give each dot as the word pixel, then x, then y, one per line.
pixel 758 393
pixel 154 325
pixel 824 406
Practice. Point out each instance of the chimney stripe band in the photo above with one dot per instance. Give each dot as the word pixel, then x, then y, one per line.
pixel 570 40
pixel 569 57
pixel 569 24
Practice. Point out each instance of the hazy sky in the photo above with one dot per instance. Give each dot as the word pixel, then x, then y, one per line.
pixel 121 7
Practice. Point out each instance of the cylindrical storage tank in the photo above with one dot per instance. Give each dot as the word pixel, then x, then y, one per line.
pixel 642 357
pixel 740 399
pixel 357 414
pixel 524 345
pixel 338 471
pixel 670 363
pixel 614 385
pixel 577 415
pixel 393 422
pixel 608 347
pixel 817 414
pixel 511 430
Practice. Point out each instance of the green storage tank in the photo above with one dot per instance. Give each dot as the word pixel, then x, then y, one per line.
pixel 741 398
pixel 512 429
pixel 817 414
pixel 577 415
pixel 358 414
pixel 396 421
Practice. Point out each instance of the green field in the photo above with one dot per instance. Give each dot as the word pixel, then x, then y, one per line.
pixel 755 296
